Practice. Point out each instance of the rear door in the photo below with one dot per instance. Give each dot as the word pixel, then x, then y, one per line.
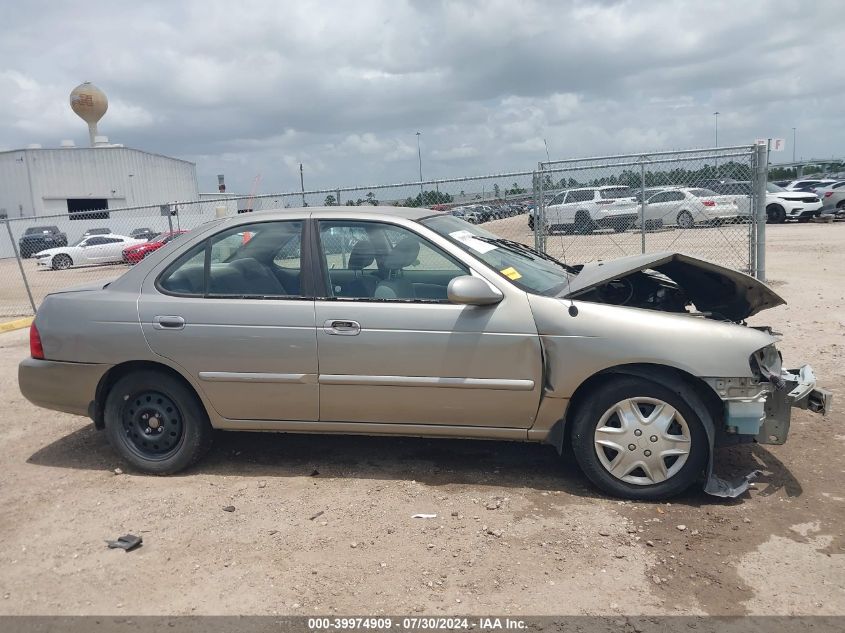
pixel 236 313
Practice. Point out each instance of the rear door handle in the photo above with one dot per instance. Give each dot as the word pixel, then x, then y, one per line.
pixel 342 327
pixel 168 323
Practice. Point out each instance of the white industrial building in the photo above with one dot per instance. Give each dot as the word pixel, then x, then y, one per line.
pixel 70 180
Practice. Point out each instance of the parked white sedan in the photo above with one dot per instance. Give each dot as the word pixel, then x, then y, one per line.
pixel 96 249
pixel 685 207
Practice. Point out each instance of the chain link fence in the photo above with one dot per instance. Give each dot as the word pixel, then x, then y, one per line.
pixel 697 202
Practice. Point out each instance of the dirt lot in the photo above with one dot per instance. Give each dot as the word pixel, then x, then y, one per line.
pixel 516 532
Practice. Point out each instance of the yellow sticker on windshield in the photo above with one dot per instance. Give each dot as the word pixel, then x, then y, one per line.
pixel 511 273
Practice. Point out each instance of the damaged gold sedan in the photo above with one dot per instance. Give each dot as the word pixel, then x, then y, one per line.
pixel 396 321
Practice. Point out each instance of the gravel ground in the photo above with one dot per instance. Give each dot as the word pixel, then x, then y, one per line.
pixel 323 524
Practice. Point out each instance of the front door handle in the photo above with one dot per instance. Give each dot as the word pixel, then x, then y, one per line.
pixel 342 327
pixel 168 323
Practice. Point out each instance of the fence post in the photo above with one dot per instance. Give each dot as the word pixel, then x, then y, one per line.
pixel 20 266
pixel 761 176
pixel 540 221
pixel 642 202
pixel 535 192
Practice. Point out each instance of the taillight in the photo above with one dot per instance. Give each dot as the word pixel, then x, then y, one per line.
pixel 709 203
pixel 36 350
pixel 827 194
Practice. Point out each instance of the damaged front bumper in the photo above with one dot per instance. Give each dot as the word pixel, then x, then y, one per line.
pixel 797 390
pixel 762 412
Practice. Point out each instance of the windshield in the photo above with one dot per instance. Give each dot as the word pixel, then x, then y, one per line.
pixel 525 268
pixel 773 188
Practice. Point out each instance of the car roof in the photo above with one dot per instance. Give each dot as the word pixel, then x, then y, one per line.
pixel 364 212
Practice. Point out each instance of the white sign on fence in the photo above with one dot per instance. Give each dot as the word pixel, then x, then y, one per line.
pixel 775 144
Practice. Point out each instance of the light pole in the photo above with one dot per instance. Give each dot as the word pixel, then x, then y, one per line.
pixel 419 156
pixel 793 144
pixel 716 130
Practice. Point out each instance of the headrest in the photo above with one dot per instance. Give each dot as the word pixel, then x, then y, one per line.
pixel 363 254
pixel 403 254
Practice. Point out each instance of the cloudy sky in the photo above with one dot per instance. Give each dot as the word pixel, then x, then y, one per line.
pixel 253 87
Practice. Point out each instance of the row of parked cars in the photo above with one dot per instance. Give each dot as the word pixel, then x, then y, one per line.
pixel 620 208
pixel 96 246
pixel 478 213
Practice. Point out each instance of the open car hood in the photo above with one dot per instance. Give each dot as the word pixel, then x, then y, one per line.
pixel 712 288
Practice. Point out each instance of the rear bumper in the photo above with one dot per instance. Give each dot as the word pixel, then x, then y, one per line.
pixel 60 386
pixel 799 391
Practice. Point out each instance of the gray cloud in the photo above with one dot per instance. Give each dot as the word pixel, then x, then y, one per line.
pixel 257 87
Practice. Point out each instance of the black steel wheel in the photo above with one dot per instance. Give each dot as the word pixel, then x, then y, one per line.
pixel 156 422
pixel 153 424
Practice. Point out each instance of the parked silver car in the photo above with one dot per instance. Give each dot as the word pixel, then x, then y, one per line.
pixel 418 323
pixel 832 197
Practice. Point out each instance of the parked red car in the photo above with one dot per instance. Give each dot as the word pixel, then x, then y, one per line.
pixel 134 254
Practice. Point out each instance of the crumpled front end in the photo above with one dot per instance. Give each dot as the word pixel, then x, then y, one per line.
pixel 796 388
pixel 759 409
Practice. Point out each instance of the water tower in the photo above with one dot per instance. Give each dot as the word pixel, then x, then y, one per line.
pixel 90 104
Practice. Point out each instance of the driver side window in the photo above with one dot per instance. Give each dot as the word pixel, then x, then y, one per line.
pixel 384 262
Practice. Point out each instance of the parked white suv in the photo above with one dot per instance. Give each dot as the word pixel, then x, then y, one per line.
pixel 586 209
pixel 783 205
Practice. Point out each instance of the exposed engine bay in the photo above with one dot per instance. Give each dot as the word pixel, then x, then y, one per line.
pixel 672 282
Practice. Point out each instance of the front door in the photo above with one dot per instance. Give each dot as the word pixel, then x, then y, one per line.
pixel 234 313
pixel 393 349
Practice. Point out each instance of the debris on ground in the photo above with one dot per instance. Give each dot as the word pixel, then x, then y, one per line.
pixel 117 471
pixel 423 516
pixel 681 527
pixel 316 515
pixel 228 508
pixel 126 542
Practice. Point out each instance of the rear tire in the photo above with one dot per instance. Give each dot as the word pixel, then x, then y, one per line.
pixel 677 428
pixel 156 423
pixel 62 262
pixel 583 223
pixel 685 220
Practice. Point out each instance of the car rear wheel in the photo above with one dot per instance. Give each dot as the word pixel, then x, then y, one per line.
pixel 62 262
pixel 637 439
pixel 583 223
pixel 775 214
pixel 685 220
pixel 156 422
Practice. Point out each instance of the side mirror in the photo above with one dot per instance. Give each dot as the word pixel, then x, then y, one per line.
pixel 469 290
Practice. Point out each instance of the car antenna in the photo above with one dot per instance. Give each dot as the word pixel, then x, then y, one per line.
pixel 573 309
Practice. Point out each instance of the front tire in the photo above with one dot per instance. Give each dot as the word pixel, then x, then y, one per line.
pixel 637 439
pixel 775 214
pixel 62 262
pixel 156 423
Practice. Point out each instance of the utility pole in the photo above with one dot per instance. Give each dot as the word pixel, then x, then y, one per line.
pixel 716 125
pixel 419 155
pixel 302 185
pixel 793 144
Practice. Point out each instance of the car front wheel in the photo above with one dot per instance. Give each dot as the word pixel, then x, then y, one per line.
pixel 156 422
pixel 62 262
pixel 637 439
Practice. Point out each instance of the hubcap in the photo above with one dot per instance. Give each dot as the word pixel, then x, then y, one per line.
pixel 153 424
pixel 642 441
